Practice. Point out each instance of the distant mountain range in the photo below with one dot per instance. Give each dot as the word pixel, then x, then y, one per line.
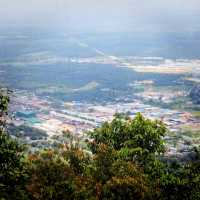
pixel 195 94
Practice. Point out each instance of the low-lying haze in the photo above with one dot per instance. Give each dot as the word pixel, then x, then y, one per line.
pixel 101 15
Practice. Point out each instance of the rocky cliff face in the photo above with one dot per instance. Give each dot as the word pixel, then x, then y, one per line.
pixel 195 94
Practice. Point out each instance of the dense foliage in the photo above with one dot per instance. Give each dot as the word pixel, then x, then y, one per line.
pixel 124 160
pixel 12 171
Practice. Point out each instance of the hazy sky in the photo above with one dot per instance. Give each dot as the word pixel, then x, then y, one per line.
pixel 105 15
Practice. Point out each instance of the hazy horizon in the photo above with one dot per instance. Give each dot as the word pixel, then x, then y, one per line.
pixel 101 16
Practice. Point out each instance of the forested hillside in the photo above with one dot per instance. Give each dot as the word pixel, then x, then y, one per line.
pixel 124 159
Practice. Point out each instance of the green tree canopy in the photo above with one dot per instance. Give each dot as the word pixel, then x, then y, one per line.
pixel 130 137
pixel 12 169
